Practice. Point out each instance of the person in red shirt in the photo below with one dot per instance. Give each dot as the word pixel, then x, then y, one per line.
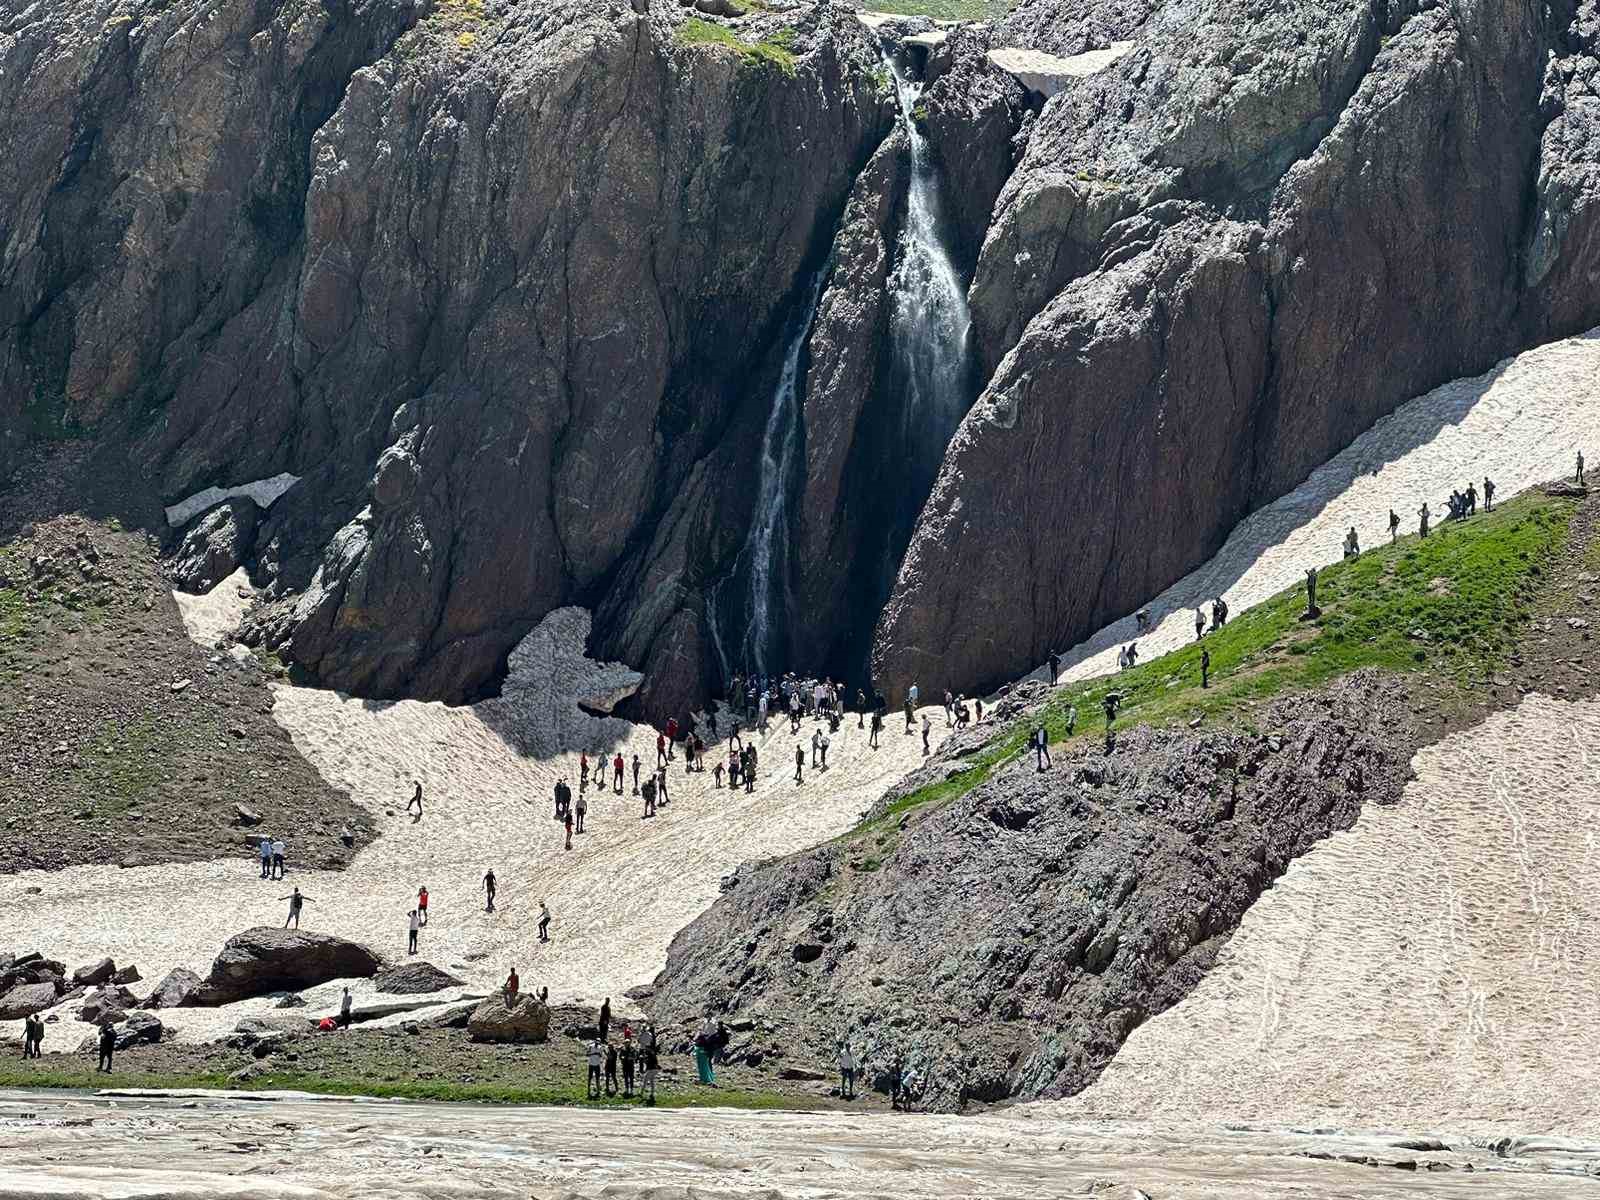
pixel 422 905
pixel 672 735
pixel 661 749
pixel 616 766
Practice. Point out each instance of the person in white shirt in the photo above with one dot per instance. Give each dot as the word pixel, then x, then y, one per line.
pixel 847 1072
pixel 266 858
pixel 596 1056
pixel 416 924
pixel 278 852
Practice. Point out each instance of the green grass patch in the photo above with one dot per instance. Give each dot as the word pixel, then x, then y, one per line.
pixel 941 10
pixel 127 764
pixel 774 51
pixel 16 1075
pixel 1452 605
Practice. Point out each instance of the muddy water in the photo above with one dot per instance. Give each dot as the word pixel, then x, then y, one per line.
pixel 208 1145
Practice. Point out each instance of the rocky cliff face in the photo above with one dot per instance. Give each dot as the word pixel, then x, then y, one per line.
pixel 504 289
pixel 1220 259
pixel 1006 944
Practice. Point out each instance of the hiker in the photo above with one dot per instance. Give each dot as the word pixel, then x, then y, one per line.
pixel 1205 668
pixel 1122 658
pixel 847 1072
pixel 566 823
pixel 1311 592
pixel 1041 747
pixel 296 900
pixel 1472 499
pixel 702 1053
pixel 583 771
pixel 1352 547
pixel 861 709
pixel 346 1003
pixel 672 735
pixel 911 719
pixel 611 1070
pixel 1422 515
pixel 635 774
pixel 1578 475
pixel 1072 718
pixel 416 798
pixel 32 1036
pixel 877 728
pixel 544 922
pixel 582 809
pixel 1488 494
pixel 411 945
pixel 603 1021
pixel 799 762
pixel 266 857
pixel 1133 655
pixel 596 1056
pixel 735 763
pixel 652 1067
pixel 1394 525
pixel 422 904
pixel 630 1055
pixel 1141 621
pixel 1111 703
pixel 279 853
pixel 913 697
pixel 661 748
pixel 616 770
pixel 488 890
pixel 1055 668
pixel 563 799
pixel 926 727
pixel 896 1074
pixel 977 709
pixel 816 747
pixel 108 1046
pixel 749 769
pixel 513 986
pixel 716 773
pixel 648 793
pixel 1199 625
pixel 661 787
pixel 949 709
pixel 825 744
pixel 688 755
pixel 1216 614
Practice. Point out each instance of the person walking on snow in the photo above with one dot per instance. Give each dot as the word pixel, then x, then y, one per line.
pixel 411 945
pixel 877 728
pixel 799 762
pixel 296 900
pixel 661 749
pixel 672 735
pixel 926 726
pixel 416 798
pixel 1055 667
pixel 422 904
pixel 583 810
pixel 861 709
pixel 616 766
pixel 1578 475
pixel 544 922
pixel 488 890
pixel 1199 625
pixel 1394 525
pixel 816 747
pixel 567 824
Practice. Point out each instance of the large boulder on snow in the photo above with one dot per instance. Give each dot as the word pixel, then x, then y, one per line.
pixel 95 974
pixel 523 1020
pixel 175 990
pixel 26 999
pixel 413 979
pixel 264 960
pixel 107 1005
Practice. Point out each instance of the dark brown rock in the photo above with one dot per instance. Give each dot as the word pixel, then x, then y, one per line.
pixel 264 960
pixel 95 974
pixel 175 990
pixel 525 1020
pixel 25 999
pixel 413 978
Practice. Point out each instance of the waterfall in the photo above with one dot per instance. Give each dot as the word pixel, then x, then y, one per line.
pixel 763 561
pixel 930 323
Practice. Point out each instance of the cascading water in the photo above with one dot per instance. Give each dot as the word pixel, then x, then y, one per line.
pixel 763 561
pixel 930 323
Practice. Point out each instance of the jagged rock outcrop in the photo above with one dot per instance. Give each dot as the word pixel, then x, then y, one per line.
pixel 215 545
pixel 263 960
pixel 413 978
pixel 175 989
pixel 1007 943
pixel 25 999
pixel 1301 173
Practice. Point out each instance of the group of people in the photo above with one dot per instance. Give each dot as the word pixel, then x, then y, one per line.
pixel 1459 506
pixel 605 1060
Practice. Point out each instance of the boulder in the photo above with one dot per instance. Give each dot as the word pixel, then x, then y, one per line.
pixel 245 817
pixel 127 975
pixel 413 978
pixel 108 1005
pixel 141 1028
pixel 176 990
pixel 95 974
pixel 524 1020
pixel 33 968
pixel 26 999
pixel 216 544
pixel 264 960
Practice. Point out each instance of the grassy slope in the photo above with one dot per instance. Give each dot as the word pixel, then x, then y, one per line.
pixel 1469 587
pixel 941 10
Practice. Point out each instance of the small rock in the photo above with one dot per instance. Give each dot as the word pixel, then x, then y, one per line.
pixel 179 686
pixel 245 816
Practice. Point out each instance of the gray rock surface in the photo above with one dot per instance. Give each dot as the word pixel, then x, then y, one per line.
pixel 1008 942
pixel 215 545
pixel 25 999
pixel 175 990
pixel 264 960
pixel 95 973
pixel 413 978
pixel 525 1020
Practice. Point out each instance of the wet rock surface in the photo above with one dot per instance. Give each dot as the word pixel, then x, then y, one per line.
pixel 1007 943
